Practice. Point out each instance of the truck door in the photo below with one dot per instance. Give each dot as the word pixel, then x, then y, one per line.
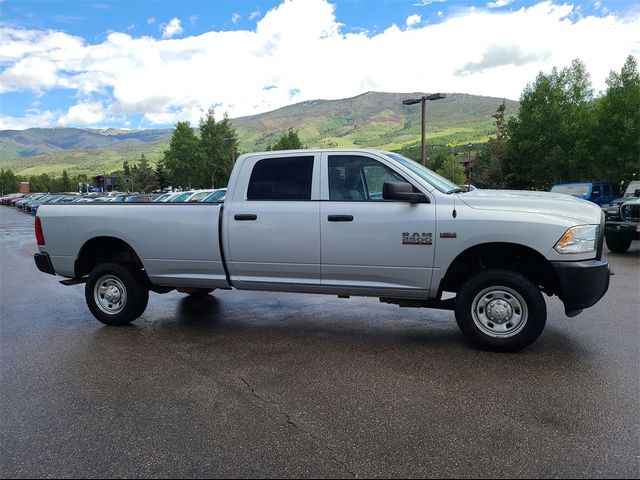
pixel 368 242
pixel 273 221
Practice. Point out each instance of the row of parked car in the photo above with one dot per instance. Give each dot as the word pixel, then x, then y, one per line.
pixel 31 201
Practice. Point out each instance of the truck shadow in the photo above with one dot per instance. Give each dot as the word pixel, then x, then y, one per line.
pixel 309 320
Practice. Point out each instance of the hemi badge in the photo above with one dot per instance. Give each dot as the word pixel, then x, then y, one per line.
pixel 448 235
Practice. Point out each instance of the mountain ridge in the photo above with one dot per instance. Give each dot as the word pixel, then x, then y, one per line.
pixel 370 119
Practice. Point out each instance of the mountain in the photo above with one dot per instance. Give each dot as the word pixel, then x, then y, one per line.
pixel 372 119
pixel 375 119
pixel 45 141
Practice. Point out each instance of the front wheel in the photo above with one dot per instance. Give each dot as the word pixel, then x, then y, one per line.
pixel 500 310
pixel 116 294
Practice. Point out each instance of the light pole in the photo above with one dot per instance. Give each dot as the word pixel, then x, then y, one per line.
pixel 423 101
pixel 469 168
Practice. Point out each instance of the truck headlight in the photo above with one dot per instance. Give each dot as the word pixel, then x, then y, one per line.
pixel 580 239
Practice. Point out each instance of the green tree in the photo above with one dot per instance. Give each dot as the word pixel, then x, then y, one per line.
pixel 65 182
pixel 162 176
pixel 546 143
pixel 8 182
pixel 289 140
pixel 219 145
pixel 452 169
pixel 143 176
pixel 615 136
pixel 126 169
pixel 488 165
pixel 184 157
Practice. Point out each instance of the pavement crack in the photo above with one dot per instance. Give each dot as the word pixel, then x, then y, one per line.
pixel 290 421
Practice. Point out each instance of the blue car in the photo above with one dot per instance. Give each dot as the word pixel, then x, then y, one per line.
pixel 601 193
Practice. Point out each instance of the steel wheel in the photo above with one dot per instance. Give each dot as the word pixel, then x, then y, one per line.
pixel 499 312
pixel 110 294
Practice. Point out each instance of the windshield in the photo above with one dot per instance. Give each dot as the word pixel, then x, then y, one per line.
pixel 631 189
pixel 217 196
pixel 432 178
pixel 182 197
pixel 578 190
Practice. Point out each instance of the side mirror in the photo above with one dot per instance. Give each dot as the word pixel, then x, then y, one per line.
pixel 636 193
pixel 403 192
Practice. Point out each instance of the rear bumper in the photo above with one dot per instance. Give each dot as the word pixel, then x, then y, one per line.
pixel 43 262
pixel 582 284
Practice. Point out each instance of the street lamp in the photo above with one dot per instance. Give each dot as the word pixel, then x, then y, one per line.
pixel 469 168
pixel 423 101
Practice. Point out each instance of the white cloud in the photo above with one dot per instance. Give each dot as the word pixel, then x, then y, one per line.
pixel 499 3
pixel 165 81
pixel 254 14
pixel 235 18
pixel 440 13
pixel 32 119
pixel 173 28
pixel 193 19
pixel 151 20
pixel 413 20
pixel 426 3
pixel 597 4
pixel 83 114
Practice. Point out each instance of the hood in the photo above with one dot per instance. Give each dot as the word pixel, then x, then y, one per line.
pixel 542 203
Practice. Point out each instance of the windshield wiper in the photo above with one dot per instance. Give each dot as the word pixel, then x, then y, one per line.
pixel 456 190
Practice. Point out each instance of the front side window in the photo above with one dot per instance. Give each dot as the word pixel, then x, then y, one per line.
pixel 358 178
pixel 286 178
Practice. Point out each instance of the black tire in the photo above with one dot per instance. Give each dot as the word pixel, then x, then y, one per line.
pixel 196 292
pixel 120 279
pixel 515 312
pixel 618 243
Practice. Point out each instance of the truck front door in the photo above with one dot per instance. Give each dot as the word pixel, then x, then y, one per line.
pixel 367 242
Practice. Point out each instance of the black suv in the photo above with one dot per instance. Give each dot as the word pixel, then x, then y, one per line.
pixel 623 224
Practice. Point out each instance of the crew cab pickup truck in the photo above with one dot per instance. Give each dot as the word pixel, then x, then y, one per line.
pixel 341 222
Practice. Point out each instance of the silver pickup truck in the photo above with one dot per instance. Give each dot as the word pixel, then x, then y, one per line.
pixel 341 222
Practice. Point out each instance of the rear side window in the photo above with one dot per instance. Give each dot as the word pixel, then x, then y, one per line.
pixel 287 178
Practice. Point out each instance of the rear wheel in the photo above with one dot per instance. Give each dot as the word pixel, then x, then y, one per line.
pixel 617 243
pixel 500 310
pixel 116 294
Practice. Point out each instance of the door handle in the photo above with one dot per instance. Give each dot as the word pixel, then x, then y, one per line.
pixel 340 218
pixel 245 217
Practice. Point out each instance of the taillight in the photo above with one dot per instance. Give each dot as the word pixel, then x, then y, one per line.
pixel 39 235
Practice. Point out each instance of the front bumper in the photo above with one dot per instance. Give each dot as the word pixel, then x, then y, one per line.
pixel 43 262
pixel 582 284
pixel 631 229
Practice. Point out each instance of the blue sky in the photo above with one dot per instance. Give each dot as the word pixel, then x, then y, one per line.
pixel 144 64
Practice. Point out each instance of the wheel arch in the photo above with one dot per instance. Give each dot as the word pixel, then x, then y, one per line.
pixel 503 255
pixel 105 249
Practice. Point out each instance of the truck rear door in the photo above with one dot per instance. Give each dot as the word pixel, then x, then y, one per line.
pixel 272 220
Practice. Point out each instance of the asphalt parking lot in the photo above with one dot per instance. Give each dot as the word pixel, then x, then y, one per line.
pixel 284 385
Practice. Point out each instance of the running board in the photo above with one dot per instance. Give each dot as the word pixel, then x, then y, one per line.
pixel 74 281
pixel 448 304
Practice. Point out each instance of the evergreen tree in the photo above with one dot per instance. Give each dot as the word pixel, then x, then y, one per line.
pixel 162 178
pixel 488 166
pixel 143 176
pixel 65 182
pixel 219 146
pixel 288 141
pixel 184 157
